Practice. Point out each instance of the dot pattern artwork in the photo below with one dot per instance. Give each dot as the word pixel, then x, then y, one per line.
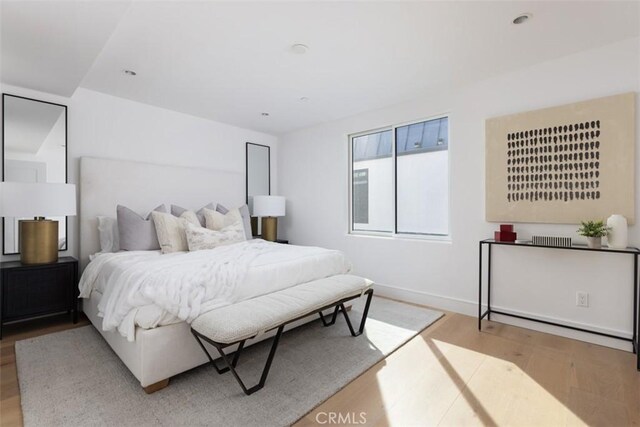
pixel 559 163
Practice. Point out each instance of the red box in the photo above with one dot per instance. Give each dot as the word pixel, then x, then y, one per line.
pixel 505 236
pixel 506 227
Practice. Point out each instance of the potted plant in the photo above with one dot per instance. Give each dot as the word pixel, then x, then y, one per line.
pixel 594 231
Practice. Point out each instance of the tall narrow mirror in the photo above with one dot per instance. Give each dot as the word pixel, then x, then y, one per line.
pixel 258 172
pixel 34 149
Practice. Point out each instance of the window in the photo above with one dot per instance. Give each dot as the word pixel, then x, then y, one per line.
pixel 400 179
pixel 361 196
pixel 372 203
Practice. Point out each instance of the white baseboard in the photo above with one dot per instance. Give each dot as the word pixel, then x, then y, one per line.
pixel 457 305
pixel 470 308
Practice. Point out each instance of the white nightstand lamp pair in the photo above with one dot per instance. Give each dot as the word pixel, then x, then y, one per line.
pixel 38 236
pixel 269 208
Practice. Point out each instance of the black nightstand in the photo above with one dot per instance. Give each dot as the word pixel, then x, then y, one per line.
pixel 28 291
pixel 284 242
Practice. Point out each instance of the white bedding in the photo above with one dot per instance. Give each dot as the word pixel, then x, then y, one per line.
pixel 149 289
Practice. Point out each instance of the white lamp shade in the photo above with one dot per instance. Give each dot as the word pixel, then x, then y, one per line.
pixel 23 199
pixel 268 206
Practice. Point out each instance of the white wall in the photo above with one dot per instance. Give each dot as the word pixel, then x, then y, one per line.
pixel 105 126
pixel 313 175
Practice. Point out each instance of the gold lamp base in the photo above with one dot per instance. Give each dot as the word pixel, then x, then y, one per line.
pixel 270 228
pixel 38 241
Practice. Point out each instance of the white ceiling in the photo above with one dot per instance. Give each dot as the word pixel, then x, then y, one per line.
pixel 231 61
pixel 51 45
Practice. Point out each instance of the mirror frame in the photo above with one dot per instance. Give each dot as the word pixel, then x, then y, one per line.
pixel 66 163
pixel 246 177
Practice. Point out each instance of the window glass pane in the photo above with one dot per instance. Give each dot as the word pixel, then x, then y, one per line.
pixel 361 196
pixel 423 179
pixel 359 147
pixel 372 146
pixel 386 142
pixel 414 141
pixel 431 133
pixel 425 136
pixel 372 192
pixel 401 138
pixel 443 135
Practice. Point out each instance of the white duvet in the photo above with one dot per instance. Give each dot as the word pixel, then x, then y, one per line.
pixel 148 289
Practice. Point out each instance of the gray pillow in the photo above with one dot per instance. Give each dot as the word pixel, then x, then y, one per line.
pixel 246 218
pixel 178 210
pixel 137 233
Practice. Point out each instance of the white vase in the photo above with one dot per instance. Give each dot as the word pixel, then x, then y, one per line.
pixel 617 237
pixel 594 242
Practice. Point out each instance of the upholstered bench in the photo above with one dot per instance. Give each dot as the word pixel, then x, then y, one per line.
pixel 236 323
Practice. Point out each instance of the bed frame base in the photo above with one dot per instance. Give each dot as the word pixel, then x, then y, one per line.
pixel 231 360
pixel 152 388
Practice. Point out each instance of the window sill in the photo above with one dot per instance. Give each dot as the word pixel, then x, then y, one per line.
pixel 408 237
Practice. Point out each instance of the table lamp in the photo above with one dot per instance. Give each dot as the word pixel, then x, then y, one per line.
pixel 38 236
pixel 269 208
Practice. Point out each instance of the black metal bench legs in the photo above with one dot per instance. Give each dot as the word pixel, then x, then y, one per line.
pixel 340 307
pixel 231 360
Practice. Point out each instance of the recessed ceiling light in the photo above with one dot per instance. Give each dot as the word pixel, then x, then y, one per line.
pixel 264 114
pixel 522 18
pixel 304 99
pixel 299 48
pixel 130 73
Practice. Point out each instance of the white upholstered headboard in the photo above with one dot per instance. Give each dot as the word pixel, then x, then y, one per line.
pixel 105 183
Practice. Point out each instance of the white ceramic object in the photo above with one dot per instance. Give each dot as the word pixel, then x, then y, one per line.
pixel 617 237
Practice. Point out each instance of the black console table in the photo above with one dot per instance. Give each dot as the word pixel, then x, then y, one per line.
pixel 631 251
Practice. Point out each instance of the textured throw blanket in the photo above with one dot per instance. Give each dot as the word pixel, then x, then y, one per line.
pixel 188 284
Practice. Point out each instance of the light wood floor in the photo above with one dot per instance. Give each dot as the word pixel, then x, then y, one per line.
pixel 453 375
pixel 450 375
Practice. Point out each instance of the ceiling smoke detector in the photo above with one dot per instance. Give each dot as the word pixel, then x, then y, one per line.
pixel 129 73
pixel 299 48
pixel 522 18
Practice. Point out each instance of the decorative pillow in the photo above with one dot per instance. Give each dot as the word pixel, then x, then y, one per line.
pixel 215 220
pixel 170 230
pixel 199 238
pixel 177 211
pixel 109 237
pixel 137 233
pixel 246 218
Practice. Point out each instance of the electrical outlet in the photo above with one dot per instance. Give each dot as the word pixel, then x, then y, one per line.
pixel 582 299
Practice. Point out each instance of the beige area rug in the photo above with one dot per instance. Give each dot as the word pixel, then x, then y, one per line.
pixel 74 378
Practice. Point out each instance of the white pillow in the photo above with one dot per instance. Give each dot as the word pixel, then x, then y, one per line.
pixel 199 238
pixel 246 217
pixel 109 236
pixel 215 220
pixel 171 230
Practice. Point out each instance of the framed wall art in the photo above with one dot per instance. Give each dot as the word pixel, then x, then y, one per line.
pixel 562 164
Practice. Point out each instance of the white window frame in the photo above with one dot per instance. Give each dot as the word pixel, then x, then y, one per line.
pixel 395 234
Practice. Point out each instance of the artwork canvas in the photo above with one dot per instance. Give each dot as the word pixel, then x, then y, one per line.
pixel 562 164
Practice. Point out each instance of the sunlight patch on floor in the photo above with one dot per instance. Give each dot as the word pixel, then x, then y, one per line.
pixel 485 390
pixel 385 329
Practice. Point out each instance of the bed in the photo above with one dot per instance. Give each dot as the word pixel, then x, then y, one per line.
pixel 153 343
